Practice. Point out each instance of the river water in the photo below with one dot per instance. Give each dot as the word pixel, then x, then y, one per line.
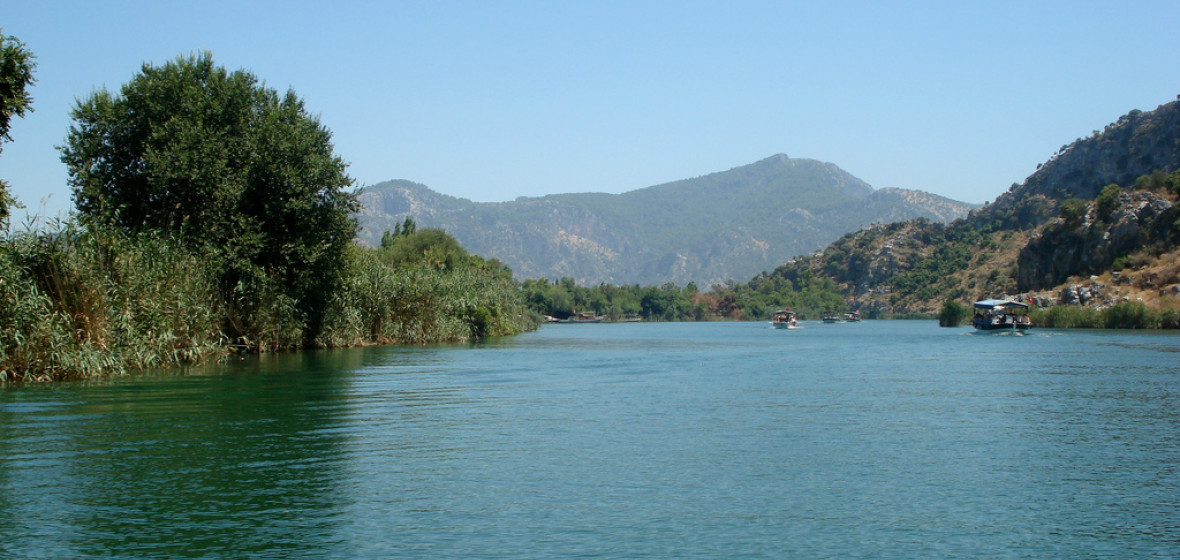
pixel 881 439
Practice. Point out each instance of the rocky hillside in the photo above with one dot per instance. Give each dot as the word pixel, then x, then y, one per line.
pixel 722 226
pixel 1093 241
pixel 1097 224
pixel 1138 143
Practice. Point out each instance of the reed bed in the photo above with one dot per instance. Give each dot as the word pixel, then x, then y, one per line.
pixel 1127 315
pixel 79 304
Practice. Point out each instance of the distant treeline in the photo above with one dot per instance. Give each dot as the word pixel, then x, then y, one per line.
pixel 808 295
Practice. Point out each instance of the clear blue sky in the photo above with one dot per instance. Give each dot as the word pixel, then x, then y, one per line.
pixel 491 100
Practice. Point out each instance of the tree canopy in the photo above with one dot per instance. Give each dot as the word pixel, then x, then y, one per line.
pixel 16 77
pixel 229 166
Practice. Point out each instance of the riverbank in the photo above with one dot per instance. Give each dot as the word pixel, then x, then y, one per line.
pixel 80 304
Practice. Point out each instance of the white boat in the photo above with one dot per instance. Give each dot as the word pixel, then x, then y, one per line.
pixel 784 319
pixel 1001 315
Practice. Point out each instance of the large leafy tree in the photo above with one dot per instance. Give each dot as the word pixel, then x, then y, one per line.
pixel 16 76
pixel 233 168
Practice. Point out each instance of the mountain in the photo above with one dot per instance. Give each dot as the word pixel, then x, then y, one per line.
pixel 708 230
pixel 1100 218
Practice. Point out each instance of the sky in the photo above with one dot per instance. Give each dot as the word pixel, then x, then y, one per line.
pixel 492 100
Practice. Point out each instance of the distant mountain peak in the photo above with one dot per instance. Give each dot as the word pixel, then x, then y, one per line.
pixel 722 226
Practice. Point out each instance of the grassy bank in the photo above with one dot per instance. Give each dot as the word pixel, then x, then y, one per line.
pixel 1128 315
pixel 75 303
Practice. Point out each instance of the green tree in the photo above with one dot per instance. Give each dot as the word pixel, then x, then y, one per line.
pixel 231 167
pixel 952 315
pixel 430 247
pixel 16 77
pixel 407 227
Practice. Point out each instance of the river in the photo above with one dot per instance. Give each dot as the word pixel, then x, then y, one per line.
pixel 880 439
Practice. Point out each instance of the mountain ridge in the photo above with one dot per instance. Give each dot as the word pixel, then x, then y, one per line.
pixel 710 229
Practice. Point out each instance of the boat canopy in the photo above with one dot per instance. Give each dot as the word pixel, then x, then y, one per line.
pixel 993 303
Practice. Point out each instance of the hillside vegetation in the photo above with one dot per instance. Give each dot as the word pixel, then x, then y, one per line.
pixel 1095 225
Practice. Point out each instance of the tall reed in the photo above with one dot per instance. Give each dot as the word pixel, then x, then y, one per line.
pixel 1126 315
pixel 82 303
pixel 383 303
pixel 77 303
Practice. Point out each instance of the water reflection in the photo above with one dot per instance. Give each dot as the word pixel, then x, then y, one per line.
pixel 230 459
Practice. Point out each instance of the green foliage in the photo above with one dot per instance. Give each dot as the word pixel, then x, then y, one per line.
pixel 245 176
pixel 790 286
pixel 1130 315
pixel 1066 317
pixel 931 276
pixel 213 215
pixel 1107 201
pixel 563 298
pixel 77 303
pixel 1158 181
pixel 1126 315
pixel 16 77
pixel 429 247
pixel 952 314
pixel 1072 211
pixel 418 303
pixel 407 227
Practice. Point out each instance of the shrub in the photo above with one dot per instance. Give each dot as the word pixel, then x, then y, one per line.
pixel 953 314
pixel 1107 201
pixel 1072 211
pixel 1130 315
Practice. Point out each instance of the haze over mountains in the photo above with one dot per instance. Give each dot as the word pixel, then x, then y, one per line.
pixel 729 225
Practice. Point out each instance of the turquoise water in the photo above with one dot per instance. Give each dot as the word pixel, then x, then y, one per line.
pixel 883 439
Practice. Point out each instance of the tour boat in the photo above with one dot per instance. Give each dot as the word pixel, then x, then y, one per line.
pixel 784 319
pixel 1001 315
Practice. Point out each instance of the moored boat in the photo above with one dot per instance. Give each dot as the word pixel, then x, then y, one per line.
pixel 1001 315
pixel 784 319
pixel 581 318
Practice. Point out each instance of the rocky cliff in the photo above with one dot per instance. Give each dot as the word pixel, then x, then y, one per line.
pixel 1137 221
pixel 1136 144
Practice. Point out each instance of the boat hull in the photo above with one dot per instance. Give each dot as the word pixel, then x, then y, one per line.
pixel 984 326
